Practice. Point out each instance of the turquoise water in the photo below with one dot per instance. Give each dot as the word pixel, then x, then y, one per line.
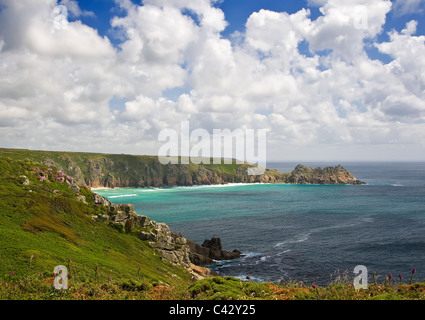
pixel 309 233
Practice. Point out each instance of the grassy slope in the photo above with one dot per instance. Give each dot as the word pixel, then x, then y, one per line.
pixel 54 227
pixel 126 166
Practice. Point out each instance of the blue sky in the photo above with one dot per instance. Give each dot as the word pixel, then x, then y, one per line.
pixel 327 79
pixel 238 11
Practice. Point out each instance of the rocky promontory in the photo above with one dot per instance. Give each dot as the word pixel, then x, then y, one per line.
pixel 210 250
pixel 171 245
pixel 330 175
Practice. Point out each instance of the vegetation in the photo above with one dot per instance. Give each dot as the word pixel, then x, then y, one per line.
pixel 40 287
pixel 123 170
pixel 44 222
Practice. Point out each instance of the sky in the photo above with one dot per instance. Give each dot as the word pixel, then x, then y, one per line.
pixel 330 80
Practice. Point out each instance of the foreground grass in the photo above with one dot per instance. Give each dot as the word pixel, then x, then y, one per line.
pixel 216 288
pixel 43 224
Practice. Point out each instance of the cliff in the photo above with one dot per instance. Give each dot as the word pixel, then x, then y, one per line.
pixel 44 213
pixel 329 175
pixel 47 219
pixel 122 170
pixel 171 245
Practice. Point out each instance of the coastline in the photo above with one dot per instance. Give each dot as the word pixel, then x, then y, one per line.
pixel 231 184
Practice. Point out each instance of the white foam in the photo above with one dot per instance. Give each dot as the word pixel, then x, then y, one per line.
pixel 203 186
pixel 216 185
pixel 123 195
pixel 301 238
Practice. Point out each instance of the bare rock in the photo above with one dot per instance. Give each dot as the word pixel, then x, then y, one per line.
pixel 209 251
pixel 25 180
pixel 74 187
pixel 99 200
pixel 82 198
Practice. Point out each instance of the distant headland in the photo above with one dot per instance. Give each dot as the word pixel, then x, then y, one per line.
pixel 98 170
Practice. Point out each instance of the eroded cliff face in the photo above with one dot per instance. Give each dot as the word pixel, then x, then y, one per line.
pixel 137 171
pixel 128 172
pixel 170 245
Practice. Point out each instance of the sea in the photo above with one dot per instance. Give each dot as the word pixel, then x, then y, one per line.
pixel 315 234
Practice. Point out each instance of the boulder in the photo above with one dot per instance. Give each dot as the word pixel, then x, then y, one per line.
pixel 121 216
pixel 74 187
pixel 200 273
pixel 99 200
pixel 143 235
pixel 209 251
pixel 213 244
pixel 143 221
pixel 25 180
pixel 82 198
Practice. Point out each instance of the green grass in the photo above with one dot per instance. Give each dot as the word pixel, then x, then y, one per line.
pixel 53 227
pixel 40 287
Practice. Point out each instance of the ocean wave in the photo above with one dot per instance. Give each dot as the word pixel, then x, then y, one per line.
pixel 123 196
pixel 301 238
pixel 216 185
pixel 245 277
pixel 305 236
pixel 245 256
pixel 206 186
pixel 151 189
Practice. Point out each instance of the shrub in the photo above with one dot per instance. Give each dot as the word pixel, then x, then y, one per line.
pixel 132 285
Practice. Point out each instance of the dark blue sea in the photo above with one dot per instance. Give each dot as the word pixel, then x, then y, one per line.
pixel 310 233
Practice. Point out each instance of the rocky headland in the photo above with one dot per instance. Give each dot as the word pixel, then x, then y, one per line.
pixel 171 245
pixel 329 175
pixel 121 170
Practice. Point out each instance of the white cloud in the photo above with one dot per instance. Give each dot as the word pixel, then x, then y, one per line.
pixel 410 28
pixel 58 77
pixel 75 10
pixel 345 25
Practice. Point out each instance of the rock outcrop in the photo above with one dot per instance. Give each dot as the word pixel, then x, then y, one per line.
pixel 329 175
pixel 171 245
pixel 209 251
pixel 199 272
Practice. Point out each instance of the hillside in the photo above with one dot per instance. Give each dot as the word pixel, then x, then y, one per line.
pixel 122 170
pixel 46 220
